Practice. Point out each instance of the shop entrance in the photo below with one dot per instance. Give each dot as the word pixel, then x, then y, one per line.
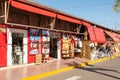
pixel 17 48
pixel 53 47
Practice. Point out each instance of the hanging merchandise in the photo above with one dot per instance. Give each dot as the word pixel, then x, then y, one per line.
pixel 34 41
pixel 45 38
pixel 67 47
pixel 79 43
pixel 45 41
pixel 64 36
pixel 45 48
pixel 76 41
pixel 45 32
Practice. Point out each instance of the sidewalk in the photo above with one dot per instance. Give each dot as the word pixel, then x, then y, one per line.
pixel 22 71
pixel 34 72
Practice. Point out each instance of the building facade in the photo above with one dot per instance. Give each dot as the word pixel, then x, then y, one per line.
pixel 28 28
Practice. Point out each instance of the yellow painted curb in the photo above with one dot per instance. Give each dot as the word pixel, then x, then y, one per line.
pixel 46 74
pixel 39 76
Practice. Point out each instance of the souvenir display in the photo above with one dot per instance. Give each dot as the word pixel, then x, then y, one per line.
pixel 67 47
pixel 38 59
pixel 45 48
pixel 34 41
pixel 45 38
pixel 45 41
pixel 45 32
pixel 86 50
pixel 64 36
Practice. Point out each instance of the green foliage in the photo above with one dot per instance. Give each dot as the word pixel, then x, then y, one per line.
pixel 117 6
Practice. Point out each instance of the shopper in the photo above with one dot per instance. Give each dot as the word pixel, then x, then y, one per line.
pixel 101 52
pixel 108 49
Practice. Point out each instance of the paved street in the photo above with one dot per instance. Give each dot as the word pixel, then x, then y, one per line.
pixel 107 70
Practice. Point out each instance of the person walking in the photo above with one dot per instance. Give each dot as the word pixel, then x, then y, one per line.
pixel 108 49
pixel 101 52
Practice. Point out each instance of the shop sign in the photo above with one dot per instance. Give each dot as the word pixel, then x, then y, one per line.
pixel 54 35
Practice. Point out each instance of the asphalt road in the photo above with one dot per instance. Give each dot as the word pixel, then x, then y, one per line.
pixel 107 70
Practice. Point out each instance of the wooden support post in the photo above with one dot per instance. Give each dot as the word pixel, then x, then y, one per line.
pixel 30 17
pixel 52 25
pixel 85 35
pixel 79 28
pixel 5 10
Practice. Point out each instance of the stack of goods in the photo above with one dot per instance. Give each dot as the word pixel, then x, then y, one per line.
pixel 38 59
pixel 86 49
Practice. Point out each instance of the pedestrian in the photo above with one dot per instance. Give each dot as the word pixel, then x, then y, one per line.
pixel 101 52
pixel 108 49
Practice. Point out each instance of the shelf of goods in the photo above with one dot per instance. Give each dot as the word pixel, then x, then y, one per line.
pixel 67 49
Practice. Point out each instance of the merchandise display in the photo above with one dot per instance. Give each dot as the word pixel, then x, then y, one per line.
pixel 86 50
pixel 67 48
pixel 38 59
pixel 45 43
pixel 34 41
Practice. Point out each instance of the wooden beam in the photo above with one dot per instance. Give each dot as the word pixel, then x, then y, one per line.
pixel 2 16
pixel 85 35
pixel 28 26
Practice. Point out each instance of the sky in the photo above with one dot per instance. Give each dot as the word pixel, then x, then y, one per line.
pixel 97 11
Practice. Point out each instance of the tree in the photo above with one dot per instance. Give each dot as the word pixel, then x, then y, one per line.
pixel 117 6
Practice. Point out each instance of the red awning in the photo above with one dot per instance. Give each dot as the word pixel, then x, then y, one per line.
pixel 90 31
pixel 69 19
pixel 113 36
pixel 24 6
pixel 27 7
pixel 117 35
pixel 100 36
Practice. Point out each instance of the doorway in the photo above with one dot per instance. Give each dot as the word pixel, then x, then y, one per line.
pixel 53 48
pixel 17 48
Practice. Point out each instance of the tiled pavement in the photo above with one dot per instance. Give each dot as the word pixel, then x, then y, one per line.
pixel 21 71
